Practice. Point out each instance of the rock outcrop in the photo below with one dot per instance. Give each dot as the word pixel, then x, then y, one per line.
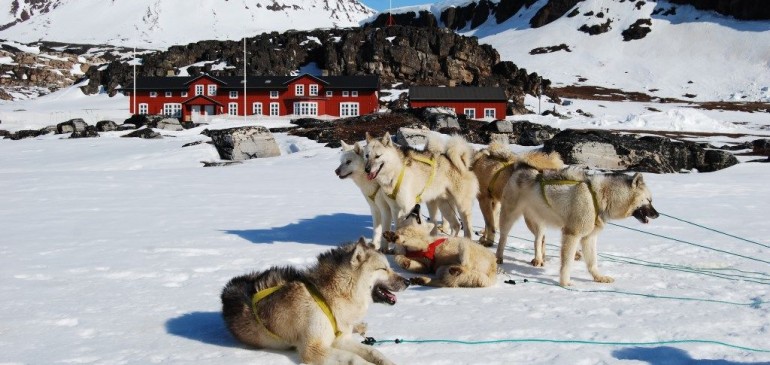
pixel 243 143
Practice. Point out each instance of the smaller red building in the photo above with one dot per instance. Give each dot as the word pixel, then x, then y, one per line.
pixel 304 95
pixel 474 102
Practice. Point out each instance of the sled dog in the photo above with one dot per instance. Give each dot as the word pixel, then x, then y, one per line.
pixel 576 202
pixel 352 166
pixel 313 310
pixel 440 173
pixel 456 261
pixel 493 167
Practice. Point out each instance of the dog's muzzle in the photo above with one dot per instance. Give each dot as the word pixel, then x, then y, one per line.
pixel 645 213
pixel 383 292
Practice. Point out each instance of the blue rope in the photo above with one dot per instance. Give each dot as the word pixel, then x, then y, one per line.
pixel 714 230
pixel 581 342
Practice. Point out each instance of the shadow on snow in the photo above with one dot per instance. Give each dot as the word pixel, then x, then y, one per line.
pixel 666 355
pixel 330 230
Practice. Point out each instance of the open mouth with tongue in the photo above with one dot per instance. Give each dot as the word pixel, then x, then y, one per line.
pixel 380 294
pixel 373 175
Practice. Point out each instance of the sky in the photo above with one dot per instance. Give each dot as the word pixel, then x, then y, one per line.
pixel 382 5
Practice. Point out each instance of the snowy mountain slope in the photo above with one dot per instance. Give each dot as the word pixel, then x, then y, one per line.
pixel 158 24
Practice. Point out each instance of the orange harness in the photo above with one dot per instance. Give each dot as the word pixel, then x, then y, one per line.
pixel 429 254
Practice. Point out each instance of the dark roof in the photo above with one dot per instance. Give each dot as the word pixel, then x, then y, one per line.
pixel 257 82
pixel 201 97
pixel 430 93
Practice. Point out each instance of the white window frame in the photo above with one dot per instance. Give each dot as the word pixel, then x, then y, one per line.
pixel 275 109
pixel 273 94
pixel 232 108
pixel 299 90
pixel 169 94
pixel 233 94
pixel 313 90
pixel 144 109
pixel 256 108
pixel 153 94
pixel 354 94
pixel 470 113
pixel 172 110
pixel 350 109
pixel 198 90
pixel 306 108
pixel 487 113
pixel 212 90
pixel 184 94
pixel 345 94
pixel 329 93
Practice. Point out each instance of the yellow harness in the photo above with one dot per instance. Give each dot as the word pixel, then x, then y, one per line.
pixel 374 194
pixel 544 183
pixel 428 161
pixel 497 174
pixel 264 293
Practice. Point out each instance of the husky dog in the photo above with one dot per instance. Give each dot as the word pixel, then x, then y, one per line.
pixel 410 176
pixel 313 310
pixel 493 167
pixel 457 261
pixel 576 202
pixel 352 166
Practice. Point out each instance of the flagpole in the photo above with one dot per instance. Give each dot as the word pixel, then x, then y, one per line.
pixel 245 106
pixel 134 93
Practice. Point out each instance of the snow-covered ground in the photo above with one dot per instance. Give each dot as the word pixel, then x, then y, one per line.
pixel 114 251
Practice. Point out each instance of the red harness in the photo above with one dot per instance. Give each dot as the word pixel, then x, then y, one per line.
pixel 429 254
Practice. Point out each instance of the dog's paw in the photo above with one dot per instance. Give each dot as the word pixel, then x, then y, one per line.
pixel 390 236
pixel 603 279
pixel 499 260
pixel 419 280
pixel 485 242
pixel 537 263
pixel 578 255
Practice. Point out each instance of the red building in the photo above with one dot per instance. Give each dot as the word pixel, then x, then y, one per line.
pixel 305 95
pixel 474 102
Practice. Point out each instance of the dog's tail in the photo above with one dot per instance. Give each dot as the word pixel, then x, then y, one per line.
pixel 543 161
pixel 434 144
pixel 459 153
pixel 499 151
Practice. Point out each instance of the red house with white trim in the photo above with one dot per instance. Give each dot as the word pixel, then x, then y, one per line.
pixel 474 102
pixel 304 95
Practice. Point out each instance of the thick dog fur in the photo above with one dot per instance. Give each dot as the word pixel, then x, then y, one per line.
pixel 459 261
pixel 349 278
pixel 571 208
pixel 491 161
pixel 352 166
pixel 454 185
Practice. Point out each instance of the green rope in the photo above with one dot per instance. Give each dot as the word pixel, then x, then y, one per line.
pixel 714 230
pixel 580 342
pixel 690 243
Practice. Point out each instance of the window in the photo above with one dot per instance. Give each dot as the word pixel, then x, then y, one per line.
pixel 169 94
pixel 143 109
pixel 329 94
pixel 299 90
pixel 172 110
pixel 198 90
pixel 345 94
pixel 354 94
pixel 274 94
pixel 275 109
pixel 232 108
pixel 234 94
pixel 212 90
pixel 184 94
pixel 489 113
pixel 470 113
pixel 313 90
pixel 153 94
pixel 305 108
pixel 348 109
pixel 256 108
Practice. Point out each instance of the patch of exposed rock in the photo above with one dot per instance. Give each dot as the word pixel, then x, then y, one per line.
pixel 243 143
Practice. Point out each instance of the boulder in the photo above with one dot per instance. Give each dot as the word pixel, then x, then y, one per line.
pixel 106 126
pixel 126 127
pixel 440 118
pixel 22 134
pixel 138 120
pixel 146 133
pixel 243 143
pixel 48 130
pixel 613 151
pixel 761 147
pixel 89 132
pixel 414 137
pixel 170 124
pixel 523 132
pixel 70 126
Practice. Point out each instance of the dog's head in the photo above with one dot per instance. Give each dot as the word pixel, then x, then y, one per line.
pixel 351 160
pixel 641 200
pixel 377 153
pixel 368 269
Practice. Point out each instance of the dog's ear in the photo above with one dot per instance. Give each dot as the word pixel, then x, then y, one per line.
pixel 637 180
pixel 358 149
pixel 368 137
pixel 386 139
pixel 359 253
pixel 345 146
pixel 362 241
